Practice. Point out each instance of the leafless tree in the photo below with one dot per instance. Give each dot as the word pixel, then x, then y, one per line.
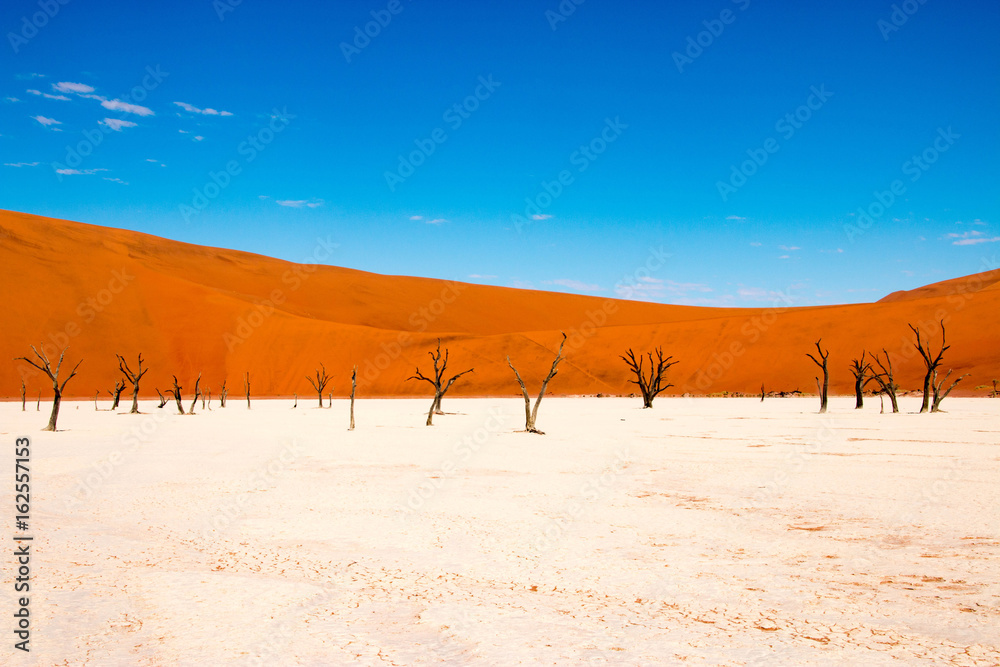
pixel 440 386
pixel 322 379
pixel 354 387
pixel 762 393
pixel 825 388
pixel 296 403
pixel 57 389
pixel 223 393
pixel 931 362
pixel 197 394
pixel 38 404
pixel 861 370
pixel 209 399
pixel 163 400
pixel 884 379
pixel 655 382
pixel 96 394
pixel 246 387
pixel 941 395
pixel 177 396
pixel 23 389
pixel 531 414
pixel 117 393
pixel 134 378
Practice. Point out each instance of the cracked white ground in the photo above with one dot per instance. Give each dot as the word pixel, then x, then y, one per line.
pixel 702 531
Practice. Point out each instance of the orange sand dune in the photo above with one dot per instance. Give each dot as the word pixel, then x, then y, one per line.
pixel 191 309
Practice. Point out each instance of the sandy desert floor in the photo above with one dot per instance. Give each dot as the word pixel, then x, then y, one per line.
pixel 703 531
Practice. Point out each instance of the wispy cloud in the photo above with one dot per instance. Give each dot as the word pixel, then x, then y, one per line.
pixel 31 75
pixel 436 221
pixel 118 105
pixel 647 288
pixel 79 172
pixel 756 244
pixel 416 217
pixel 47 121
pixel 577 285
pixel 116 124
pixel 974 237
pixel 11 99
pixel 789 248
pixel 20 164
pixel 300 203
pixel 206 112
pixel 32 91
pixel 115 180
pixel 541 216
pixel 480 276
pixel 70 87
pixel 735 217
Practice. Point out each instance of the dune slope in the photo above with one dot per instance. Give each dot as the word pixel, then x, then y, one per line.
pixel 223 313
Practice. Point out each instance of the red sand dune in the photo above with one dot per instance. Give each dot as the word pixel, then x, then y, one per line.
pixel 192 309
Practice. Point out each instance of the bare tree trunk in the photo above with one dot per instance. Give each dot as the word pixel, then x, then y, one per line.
pixel 209 399
pixel 163 400
pixel 177 396
pixel 134 378
pixel 38 404
pixel 440 387
pixel 322 379
pixel 246 385
pixel 296 403
pixel 53 375
pixel 885 380
pixel 222 395
pixel 761 392
pixel 22 395
pixel 197 394
pixel 95 400
pixel 650 386
pixel 825 388
pixel 329 400
pixel 117 394
pixel 531 414
pixel 931 362
pixel 938 394
pixel 354 386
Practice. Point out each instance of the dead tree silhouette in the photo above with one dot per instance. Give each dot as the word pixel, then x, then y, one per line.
pixel 57 388
pixel 649 385
pixel 825 388
pixel 441 387
pixel 531 414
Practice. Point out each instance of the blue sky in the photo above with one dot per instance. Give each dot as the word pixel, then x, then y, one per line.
pixel 707 153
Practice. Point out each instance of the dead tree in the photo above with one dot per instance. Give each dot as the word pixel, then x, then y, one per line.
pixel 296 403
pixel 531 414
pixel 57 389
pixel 938 394
pixel 117 394
pixel 825 388
pixel 329 400
pixel 96 394
pixel 440 386
pixel 761 392
pixel 860 370
pixel 885 380
pixel 222 395
pixel 163 400
pixel 177 396
pixel 209 399
pixel 354 387
pixel 649 385
pixel 134 378
pixel 931 361
pixel 246 387
pixel 22 394
pixel 197 394
pixel 322 379
pixel 38 404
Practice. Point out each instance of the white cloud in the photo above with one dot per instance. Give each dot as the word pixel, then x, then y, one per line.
pixel 118 105
pixel 416 217
pixel 70 87
pixel 206 112
pixel 541 216
pixel 573 285
pixel 300 203
pixel 436 221
pixel 735 217
pixel 115 180
pixel 116 124
pixel 199 138
pixel 20 164
pixel 478 276
pixel 79 172
pixel 32 91
pixel 789 248
pixel 11 99
pixel 47 121
pixel 784 256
